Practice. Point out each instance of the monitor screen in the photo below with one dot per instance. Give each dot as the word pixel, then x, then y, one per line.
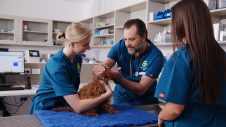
pixel 11 62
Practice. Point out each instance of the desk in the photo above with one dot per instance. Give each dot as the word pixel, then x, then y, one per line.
pixel 20 92
pixel 32 121
pixel 33 91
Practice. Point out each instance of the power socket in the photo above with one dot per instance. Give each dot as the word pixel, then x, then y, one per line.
pixel 23 98
pixel 27 70
pixel 36 71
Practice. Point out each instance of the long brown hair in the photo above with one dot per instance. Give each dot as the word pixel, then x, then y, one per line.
pixel 191 24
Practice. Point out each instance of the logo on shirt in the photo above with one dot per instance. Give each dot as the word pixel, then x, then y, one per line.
pixel 78 67
pixel 151 75
pixel 161 95
pixel 144 64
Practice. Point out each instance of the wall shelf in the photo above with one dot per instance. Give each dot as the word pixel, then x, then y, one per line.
pixel 58 27
pixel 55 33
pixel 158 26
pixel 107 35
pixel 35 32
pixel 170 44
pixel 163 44
pixel 162 1
pixel 119 27
pixel 42 32
pixel 101 46
pixel 7 33
pixel 107 26
pixel 161 22
pixel 222 42
pixel 7 28
pixel 218 12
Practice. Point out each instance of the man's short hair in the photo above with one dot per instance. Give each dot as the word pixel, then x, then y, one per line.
pixel 141 27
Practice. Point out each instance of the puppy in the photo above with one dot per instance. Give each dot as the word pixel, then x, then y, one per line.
pixel 92 90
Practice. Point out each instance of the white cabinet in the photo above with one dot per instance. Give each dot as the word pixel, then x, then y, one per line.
pixel 158 26
pixel 114 21
pixel 58 27
pixel 104 30
pixel 107 28
pixel 90 24
pixel 8 30
pixel 35 32
pixel 218 15
pixel 25 31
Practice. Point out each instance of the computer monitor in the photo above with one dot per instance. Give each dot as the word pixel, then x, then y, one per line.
pixel 11 63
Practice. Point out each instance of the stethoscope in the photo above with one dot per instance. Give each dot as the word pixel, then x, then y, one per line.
pixel 137 70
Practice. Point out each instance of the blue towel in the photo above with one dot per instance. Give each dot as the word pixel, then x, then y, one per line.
pixel 127 116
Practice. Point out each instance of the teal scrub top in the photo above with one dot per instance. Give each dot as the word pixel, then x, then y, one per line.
pixel 149 64
pixel 178 85
pixel 60 77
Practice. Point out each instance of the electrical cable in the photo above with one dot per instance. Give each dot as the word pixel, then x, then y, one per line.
pixel 17 106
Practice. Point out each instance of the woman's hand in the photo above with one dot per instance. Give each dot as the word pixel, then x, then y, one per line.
pixel 98 70
pixel 108 89
pixel 160 122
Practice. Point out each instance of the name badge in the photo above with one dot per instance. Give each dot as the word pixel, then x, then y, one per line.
pixel 139 73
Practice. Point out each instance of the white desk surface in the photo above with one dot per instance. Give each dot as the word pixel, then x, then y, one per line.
pixel 32 91
pixel 20 92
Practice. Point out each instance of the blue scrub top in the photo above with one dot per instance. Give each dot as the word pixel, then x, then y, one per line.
pixel 60 77
pixel 178 85
pixel 149 64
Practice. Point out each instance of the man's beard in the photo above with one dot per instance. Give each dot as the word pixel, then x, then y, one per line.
pixel 133 50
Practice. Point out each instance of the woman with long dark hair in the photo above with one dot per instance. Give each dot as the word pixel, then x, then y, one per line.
pixel 193 80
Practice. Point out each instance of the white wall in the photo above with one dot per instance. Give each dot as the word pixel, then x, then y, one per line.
pixel 98 7
pixel 65 10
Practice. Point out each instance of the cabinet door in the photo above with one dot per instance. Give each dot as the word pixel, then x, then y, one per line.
pixel 58 27
pixel 8 30
pixel 35 32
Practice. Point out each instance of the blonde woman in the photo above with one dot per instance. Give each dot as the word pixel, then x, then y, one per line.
pixel 61 75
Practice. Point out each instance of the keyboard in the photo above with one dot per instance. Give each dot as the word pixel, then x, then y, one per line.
pixel 11 88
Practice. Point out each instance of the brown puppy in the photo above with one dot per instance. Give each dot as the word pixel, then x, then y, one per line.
pixel 92 90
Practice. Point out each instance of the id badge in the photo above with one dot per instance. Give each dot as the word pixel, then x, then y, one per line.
pixel 136 74
pixel 139 73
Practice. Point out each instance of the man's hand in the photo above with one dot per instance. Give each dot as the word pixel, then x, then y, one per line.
pixel 98 70
pixel 116 75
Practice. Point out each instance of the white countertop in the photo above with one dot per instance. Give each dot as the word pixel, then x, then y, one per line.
pixel 20 92
pixel 33 90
